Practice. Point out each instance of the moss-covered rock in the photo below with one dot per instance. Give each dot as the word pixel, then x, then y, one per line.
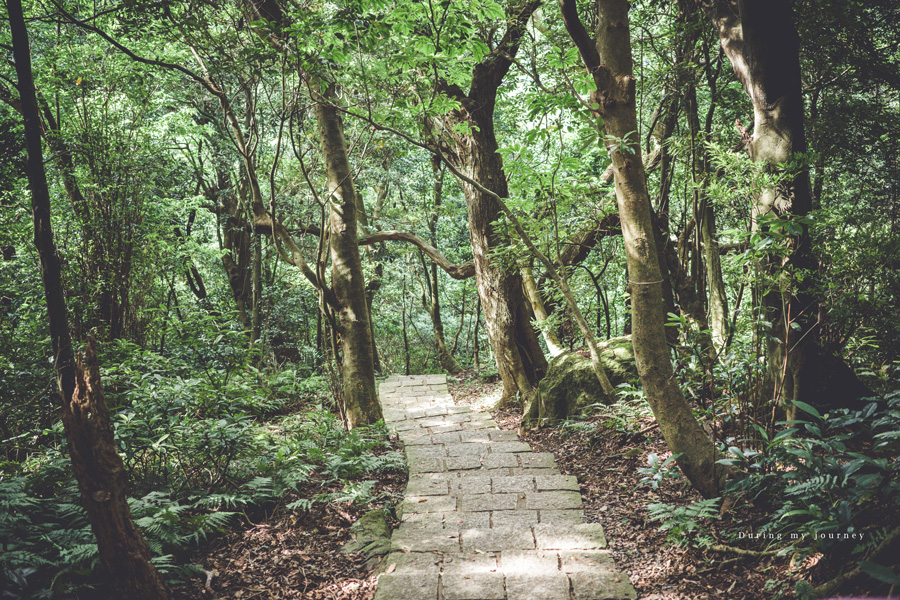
pixel 371 537
pixel 570 383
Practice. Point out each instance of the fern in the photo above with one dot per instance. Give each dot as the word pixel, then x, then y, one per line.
pixel 817 484
pixel 303 504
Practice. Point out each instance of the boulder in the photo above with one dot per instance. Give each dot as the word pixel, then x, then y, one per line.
pixel 570 384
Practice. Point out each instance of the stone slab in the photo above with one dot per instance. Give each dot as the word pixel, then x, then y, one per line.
pixel 557 482
pixel 425 540
pixel 465 449
pixel 472 484
pixel 500 460
pixel 510 447
pixel 557 517
pixel 421 486
pixel 524 562
pixel 428 504
pixel 407 585
pixel 583 536
pixel 474 586
pixel 468 563
pixel 463 463
pixel 519 484
pixel 538 460
pixel 522 519
pixel 484 502
pixel 602 586
pixel 574 561
pixel 467 520
pixel 543 586
pixel 496 540
pixel 552 500
pixel 426 465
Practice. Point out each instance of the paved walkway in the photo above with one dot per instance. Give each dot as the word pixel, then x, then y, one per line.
pixel 484 517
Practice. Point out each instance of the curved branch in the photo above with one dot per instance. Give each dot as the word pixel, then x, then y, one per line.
pixel 463 271
pixel 584 42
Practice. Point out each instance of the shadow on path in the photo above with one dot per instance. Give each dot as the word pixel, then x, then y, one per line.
pixel 484 517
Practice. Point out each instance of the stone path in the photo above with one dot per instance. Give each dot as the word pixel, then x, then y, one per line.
pixel 484 517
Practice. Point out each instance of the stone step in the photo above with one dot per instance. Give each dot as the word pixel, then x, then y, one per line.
pixel 484 517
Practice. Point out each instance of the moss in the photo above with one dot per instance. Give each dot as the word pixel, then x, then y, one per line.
pixel 570 384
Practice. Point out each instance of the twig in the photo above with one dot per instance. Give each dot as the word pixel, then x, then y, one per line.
pixel 742 551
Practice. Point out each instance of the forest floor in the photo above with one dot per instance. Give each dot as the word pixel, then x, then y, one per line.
pixel 294 554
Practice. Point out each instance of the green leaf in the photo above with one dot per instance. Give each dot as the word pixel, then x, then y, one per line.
pixel 879 572
pixel 807 409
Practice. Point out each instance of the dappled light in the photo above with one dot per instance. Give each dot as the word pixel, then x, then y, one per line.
pixel 456 300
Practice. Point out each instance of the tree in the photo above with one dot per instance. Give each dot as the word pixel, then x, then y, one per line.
pixel 607 56
pixel 761 42
pixel 472 148
pixel 97 465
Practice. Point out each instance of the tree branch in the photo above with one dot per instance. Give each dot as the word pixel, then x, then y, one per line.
pixel 463 271
pixel 584 42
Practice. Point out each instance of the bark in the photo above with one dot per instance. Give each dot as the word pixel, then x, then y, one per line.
pixel 608 58
pixel 554 346
pixel 465 270
pixel 97 466
pixel 374 283
pixel 761 41
pixel 347 280
pixel 520 361
pixel 256 284
pixel 432 301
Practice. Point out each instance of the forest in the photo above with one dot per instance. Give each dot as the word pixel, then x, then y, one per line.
pixel 657 239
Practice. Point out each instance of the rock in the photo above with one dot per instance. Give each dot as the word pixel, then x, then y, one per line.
pixel 570 384
pixel 372 537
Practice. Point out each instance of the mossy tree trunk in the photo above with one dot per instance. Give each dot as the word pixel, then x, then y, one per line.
pixel 347 280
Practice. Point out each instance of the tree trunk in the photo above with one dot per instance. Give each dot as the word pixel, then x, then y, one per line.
pixel 706 225
pixel 97 466
pixel 615 101
pixel 256 282
pixel 554 346
pixel 761 41
pixel 520 360
pixel 476 360
pixel 432 301
pixel 347 280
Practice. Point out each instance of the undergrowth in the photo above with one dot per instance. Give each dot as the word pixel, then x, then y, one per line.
pixel 202 453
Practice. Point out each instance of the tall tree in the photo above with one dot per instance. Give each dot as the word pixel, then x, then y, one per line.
pixel 607 56
pixel 761 41
pixel 97 466
pixel 473 151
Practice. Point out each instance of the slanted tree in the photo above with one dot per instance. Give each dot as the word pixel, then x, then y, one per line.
pixel 607 57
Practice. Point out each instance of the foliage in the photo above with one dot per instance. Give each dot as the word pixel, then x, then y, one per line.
pixel 826 477
pixel 684 524
pixel 656 471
